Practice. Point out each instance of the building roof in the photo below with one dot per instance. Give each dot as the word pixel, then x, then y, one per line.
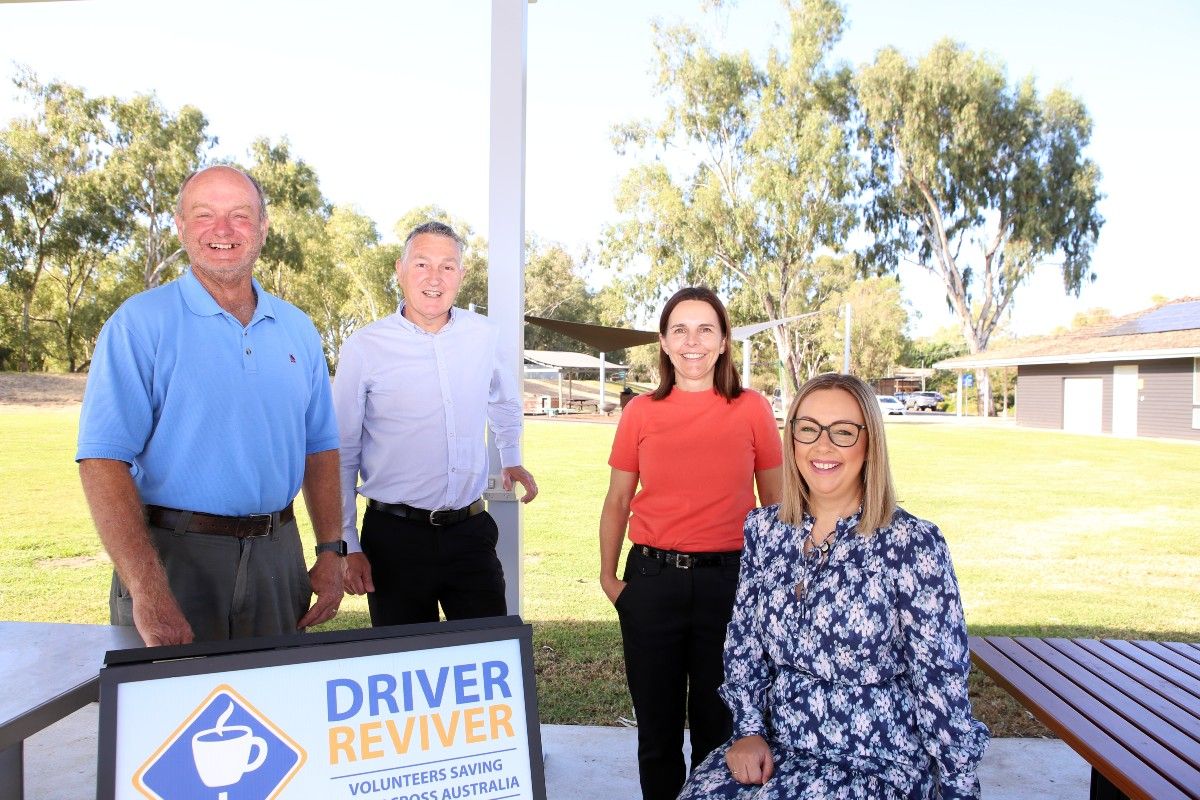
pixel 1171 330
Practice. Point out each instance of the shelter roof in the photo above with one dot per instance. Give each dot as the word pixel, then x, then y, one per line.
pixel 1111 340
pixel 565 360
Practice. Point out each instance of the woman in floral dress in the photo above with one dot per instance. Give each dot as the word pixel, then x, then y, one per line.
pixel 846 660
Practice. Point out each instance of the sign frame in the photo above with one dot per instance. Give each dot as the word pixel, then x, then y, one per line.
pixel 159 663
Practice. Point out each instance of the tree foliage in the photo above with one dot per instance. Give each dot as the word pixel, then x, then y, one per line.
pixel 878 321
pixel 748 176
pixel 975 179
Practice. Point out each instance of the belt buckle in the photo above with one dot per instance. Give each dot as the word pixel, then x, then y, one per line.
pixel 270 518
pixel 433 517
pixel 683 561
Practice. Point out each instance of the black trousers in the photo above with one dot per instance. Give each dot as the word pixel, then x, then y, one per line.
pixel 417 566
pixel 673 625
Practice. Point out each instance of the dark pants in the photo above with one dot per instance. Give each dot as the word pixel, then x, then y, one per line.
pixel 673 627
pixel 417 566
pixel 228 588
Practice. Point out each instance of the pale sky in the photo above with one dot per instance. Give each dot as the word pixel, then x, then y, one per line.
pixel 388 101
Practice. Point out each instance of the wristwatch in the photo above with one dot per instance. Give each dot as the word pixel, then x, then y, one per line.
pixel 338 547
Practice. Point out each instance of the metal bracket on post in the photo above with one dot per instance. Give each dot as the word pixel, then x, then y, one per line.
pixel 495 491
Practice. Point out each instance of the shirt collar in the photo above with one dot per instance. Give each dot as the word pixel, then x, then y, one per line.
pixel 415 328
pixel 202 304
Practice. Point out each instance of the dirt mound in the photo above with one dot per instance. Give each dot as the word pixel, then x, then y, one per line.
pixel 40 388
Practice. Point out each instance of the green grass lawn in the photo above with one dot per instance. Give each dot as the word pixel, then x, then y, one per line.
pixel 1052 534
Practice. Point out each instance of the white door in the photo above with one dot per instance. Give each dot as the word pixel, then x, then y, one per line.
pixel 1125 400
pixel 1083 404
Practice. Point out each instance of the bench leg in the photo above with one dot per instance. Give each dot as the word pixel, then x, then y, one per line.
pixel 12 771
pixel 1102 788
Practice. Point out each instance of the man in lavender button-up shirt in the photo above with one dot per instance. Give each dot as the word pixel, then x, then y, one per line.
pixel 412 394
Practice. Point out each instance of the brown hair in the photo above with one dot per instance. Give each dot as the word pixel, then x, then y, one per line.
pixel 725 377
pixel 878 490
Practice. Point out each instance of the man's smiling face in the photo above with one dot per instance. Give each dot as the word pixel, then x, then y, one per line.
pixel 221 225
pixel 430 274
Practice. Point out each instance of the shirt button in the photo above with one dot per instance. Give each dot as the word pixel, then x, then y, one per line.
pixel 247 351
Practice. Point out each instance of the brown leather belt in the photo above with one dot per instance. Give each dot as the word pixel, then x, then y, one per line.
pixel 239 527
pixel 438 517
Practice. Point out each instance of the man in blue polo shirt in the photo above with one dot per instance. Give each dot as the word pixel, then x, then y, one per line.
pixel 207 409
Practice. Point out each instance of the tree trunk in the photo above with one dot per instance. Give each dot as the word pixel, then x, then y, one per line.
pixel 983 385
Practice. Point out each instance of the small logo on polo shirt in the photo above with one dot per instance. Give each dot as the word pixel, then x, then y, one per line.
pixel 291 358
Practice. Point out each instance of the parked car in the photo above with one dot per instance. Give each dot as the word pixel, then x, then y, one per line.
pixel 889 404
pixel 924 401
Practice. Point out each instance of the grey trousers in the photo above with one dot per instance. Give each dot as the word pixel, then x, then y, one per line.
pixel 228 588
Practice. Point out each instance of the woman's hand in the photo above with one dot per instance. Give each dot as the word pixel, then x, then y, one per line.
pixel 612 587
pixel 749 760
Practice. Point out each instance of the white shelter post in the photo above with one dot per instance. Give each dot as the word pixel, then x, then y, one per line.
pixel 747 349
pixel 600 405
pixel 846 346
pixel 506 252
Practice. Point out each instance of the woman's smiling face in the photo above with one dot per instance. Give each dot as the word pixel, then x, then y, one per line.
pixel 693 341
pixel 833 474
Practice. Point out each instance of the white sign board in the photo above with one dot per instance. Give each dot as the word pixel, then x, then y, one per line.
pixel 431 717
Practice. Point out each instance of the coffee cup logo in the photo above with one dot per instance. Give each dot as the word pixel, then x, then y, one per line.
pixel 224 753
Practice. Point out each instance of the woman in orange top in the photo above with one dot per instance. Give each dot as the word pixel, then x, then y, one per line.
pixel 698 445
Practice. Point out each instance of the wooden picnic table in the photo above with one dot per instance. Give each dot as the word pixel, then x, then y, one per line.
pixel 583 401
pixel 1130 708
pixel 47 671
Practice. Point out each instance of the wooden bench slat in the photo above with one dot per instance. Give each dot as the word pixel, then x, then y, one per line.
pixel 1184 665
pixel 1184 650
pixel 1187 717
pixel 1132 776
pixel 1141 735
pixel 1158 660
pixel 1148 711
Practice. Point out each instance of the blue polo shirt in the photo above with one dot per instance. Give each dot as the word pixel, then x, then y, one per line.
pixel 210 415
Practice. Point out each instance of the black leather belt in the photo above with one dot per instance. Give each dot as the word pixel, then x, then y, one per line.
pixel 238 527
pixel 438 517
pixel 688 560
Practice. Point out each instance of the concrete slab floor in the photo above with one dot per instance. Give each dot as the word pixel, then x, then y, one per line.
pixel 582 763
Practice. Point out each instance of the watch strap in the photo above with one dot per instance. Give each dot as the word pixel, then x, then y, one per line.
pixel 338 547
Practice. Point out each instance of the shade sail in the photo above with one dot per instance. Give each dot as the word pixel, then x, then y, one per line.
pixel 601 337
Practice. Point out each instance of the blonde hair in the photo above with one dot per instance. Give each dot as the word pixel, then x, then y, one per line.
pixel 878 491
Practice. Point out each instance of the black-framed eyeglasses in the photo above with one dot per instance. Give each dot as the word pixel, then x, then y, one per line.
pixel 843 433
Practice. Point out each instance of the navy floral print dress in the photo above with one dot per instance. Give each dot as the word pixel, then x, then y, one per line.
pixel 852 665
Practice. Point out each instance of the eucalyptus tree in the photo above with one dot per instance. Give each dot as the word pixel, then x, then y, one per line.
pixel 347 278
pixel 878 321
pixel 297 210
pixel 979 181
pixel 152 151
pixel 46 158
pixel 748 176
